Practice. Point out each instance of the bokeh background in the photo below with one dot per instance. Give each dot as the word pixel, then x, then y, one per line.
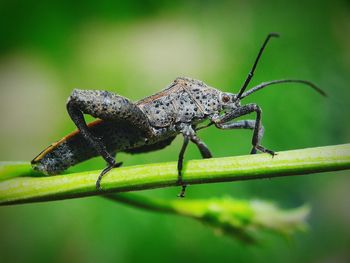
pixel 136 48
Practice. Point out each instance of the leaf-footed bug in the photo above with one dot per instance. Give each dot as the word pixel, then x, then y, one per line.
pixel 152 123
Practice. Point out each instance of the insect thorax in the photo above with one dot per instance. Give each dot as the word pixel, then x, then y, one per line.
pixel 185 100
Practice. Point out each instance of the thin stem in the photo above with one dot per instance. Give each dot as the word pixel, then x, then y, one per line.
pixel 296 162
pixel 241 219
pixel 14 169
pixel 146 203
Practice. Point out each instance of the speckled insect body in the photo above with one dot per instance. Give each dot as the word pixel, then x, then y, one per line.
pixel 152 123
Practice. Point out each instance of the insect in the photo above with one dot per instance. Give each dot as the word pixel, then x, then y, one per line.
pixel 153 123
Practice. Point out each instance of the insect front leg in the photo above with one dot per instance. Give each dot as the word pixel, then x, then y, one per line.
pixel 106 106
pixel 243 124
pixel 223 122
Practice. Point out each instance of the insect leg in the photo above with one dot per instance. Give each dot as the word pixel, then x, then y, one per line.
pixel 107 106
pixel 203 148
pixel 78 118
pixel 180 165
pixel 222 122
pixel 107 169
pixel 243 124
pixel 189 134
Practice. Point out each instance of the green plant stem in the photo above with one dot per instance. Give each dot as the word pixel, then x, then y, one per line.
pixel 14 169
pixel 296 162
pixel 240 219
pixel 147 203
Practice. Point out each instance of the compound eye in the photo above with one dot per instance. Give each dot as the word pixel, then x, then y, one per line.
pixel 225 98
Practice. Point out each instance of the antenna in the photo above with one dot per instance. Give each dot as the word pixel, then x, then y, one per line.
pixel 273 82
pixel 251 73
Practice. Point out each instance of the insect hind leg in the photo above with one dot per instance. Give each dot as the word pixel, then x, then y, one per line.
pixel 107 169
pixel 106 106
pixel 104 171
pixel 76 114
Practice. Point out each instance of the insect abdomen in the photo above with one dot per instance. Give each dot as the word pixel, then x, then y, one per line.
pixel 60 155
pixel 74 149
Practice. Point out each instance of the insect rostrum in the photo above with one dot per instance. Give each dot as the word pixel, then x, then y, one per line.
pixel 152 123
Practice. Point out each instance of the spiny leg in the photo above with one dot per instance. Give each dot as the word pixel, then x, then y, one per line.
pixel 223 121
pixel 106 106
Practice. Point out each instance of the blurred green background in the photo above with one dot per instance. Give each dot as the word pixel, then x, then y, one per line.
pixel 135 49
